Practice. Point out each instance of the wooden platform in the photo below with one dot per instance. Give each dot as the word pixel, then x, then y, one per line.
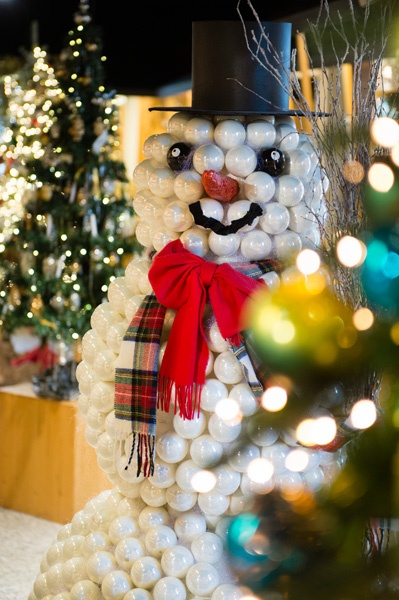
pixel 47 469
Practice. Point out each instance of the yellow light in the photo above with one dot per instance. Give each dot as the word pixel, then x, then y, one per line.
pixel 320 431
pixel 228 410
pixel 283 331
pixel 385 132
pixel 274 398
pixel 308 261
pixel 363 414
pixel 351 252
pixel 363 319
pixel 297 460
pixel 204 481
pixel 381 177
pixel 260 470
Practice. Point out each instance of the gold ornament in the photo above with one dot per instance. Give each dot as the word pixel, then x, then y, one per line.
pixel 15 296
pixel 37 305
pixel 45 193
pixel 77 129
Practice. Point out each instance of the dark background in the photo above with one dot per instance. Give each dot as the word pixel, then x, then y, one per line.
pixel 147 44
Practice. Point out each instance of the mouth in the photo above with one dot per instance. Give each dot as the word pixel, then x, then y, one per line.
pixel 216 226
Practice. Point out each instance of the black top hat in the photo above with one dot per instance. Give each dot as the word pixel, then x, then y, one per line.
pixel 228 80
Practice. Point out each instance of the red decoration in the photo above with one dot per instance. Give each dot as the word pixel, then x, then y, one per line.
pixel 219 187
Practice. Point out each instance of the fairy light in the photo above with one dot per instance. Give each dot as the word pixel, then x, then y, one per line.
pixel 308 261
pixel 274 398
pixel 228 410
pixel 203 481
pixel 320 431
pixel 297 460
pixel 385 132
pixel 363 318
pixel 351 252
pixel 260 470
pixel 363 414
pixel 381 177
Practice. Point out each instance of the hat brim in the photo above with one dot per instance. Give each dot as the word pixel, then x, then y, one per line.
pixel 266 113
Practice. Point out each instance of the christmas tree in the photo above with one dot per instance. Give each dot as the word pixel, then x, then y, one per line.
pixel 77 228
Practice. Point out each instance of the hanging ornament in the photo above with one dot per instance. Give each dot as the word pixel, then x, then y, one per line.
pixel 45 192
pixel 14 296
pixel 37 305
pixel 49 265
pixel 57 302
pixel 74 301
pixel 77 129
pixel 97 254
pixel 26 262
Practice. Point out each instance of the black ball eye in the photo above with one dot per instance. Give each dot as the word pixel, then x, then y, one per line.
pixel 272 161
pixel 179 156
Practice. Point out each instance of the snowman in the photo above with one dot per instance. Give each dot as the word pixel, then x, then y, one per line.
pixel 226 198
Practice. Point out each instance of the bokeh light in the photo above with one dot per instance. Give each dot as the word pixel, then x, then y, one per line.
pixel 363 318
pixel 380 177
pixel 353 171
pixel 316 432
pixel 297 460
pixel 204 481
pixel 260 470
pixel 363 414
pixel 274 398
pixel 385 132
pixel 308 261
pixel 228 410
pixel 351 252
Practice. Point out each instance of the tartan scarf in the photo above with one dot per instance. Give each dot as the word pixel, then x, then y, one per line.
pixel 183 282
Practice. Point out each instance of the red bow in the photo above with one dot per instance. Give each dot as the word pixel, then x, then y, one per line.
pixel 185 282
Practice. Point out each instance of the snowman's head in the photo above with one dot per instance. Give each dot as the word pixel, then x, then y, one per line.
pixel 231 188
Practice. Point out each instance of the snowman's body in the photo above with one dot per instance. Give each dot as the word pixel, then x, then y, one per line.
pixel 161 537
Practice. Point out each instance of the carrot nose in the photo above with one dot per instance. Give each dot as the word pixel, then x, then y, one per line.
pixel 218 186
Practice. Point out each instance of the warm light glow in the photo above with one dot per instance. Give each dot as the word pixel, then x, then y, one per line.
pixel 381 177
pixel 297 460
pixel 260 470
pixel 385 132
pixel 308 261
pixel 320 431
pixel 351 252
pixel 283 331
pixel 228 410
pixel 274 398
pixel 353 171
pixel 203 481
pixel 363 319
pixel 363 414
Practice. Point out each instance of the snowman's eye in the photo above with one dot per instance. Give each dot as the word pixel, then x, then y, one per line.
pixel 179 156
pixel 272 161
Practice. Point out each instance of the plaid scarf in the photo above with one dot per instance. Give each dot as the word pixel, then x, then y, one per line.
pixel 184 282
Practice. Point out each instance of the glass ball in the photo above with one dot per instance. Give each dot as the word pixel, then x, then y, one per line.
pixel 195 240
pixel 205 451
pixel 250 487
pixel 169 587
pixel 189 428
pixel 276 454
pixel 243 395
pixel 202 579
pixel 224 245
pixel 164 474
pixel 241 160
pixel 256 245
pixel 222 431
pixel 299 163
pixel 275 218
pixel 85 590
pixel 207 547
pixel 142 172
pixel 259 187
pixel 161 182
pixel 73 546
pixel 138 594
pixel 287 245
pixel 142 234
pixel 95 541
pixel 239 209
pixel 301 218
pixel 153 208
pixel 227 479
pixel 171 448
pixel 177 216
pixel 213 503
pixel 188 186
pixel 157 539
pixel 287 137
pixel 228 368
pixel 180 500
pixel 145 572
pixel 229 133
pixel 242 456
pixel 261 435
pixel 140 199
pixel 176 561
pixel 261 134
pixel 184 474
pixel 289 190
pixel 212 392
pixel 208 157
pixel 122 527
pixel 188 526
pixel 198 130
pixel 115 585
pixel 177 124
pixel 127 551
pixel 152 517
pixel 212 209
pixel 152 495
pixel 99 564
pixel 159 147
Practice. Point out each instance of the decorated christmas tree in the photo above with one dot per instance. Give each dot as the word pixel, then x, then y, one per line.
pixel 76 229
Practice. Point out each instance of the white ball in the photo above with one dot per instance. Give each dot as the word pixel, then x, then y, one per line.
pixel 152 495
pixel 153 208
pixel 143 234
pixel 243 395
pixel 287 137
pixel 224 245
pixel 259 187
pixel 207 547
pixel 189 428
pixel 138 594
pixel 249 487
pixel 240 458
pixel 179 499
pixel 160 145
pixel 289 190
pixel 122 527
pixel 229 591
pixel 212 503
pixel 202 579
pixel 177 124
pixel 99 564
pixel 301 218
pixel 169 587
pixel 228 368
pixel 176 561
pixel 227 479
pixel 164 474
pixel 212 209
pixel 152 517
pixel 115 585
pixel 140 199
pixel 288 482
pixel 127 551
pixel 198 130
pixel 171 448
pixel 185 473
pixel 161 182
pixel 157 539
pixel 95 541
pixel 188 186
pixel 276 454
pixel 85 590
pixel 229 133
pixel 73 546
pixel 222 431
pixel 177 216
pixel 241 160
pixel 208 157
pixel 188 526
pixel 142 171
pixel 262 435
pixel 205 451
pixel 212 392
pixel 272 280
pixel 299 163
pixel 239 209
pixel 161 236
pixel 261 134
pixel 256 245
pixel 287 245
pixel 145 572
pixel 116 332
pixel 195 240
pixel 275 218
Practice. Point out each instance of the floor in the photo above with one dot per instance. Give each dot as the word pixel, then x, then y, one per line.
pixel 24 541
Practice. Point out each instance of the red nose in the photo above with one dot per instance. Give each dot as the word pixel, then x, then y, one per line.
pixel 219 187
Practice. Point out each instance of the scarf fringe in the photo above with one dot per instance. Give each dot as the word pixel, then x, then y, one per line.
pixel 187 398
pixel 144 445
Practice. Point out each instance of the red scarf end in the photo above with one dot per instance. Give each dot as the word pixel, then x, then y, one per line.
pixel 186 398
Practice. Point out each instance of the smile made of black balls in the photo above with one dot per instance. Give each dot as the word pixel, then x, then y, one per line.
pixel 270 160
